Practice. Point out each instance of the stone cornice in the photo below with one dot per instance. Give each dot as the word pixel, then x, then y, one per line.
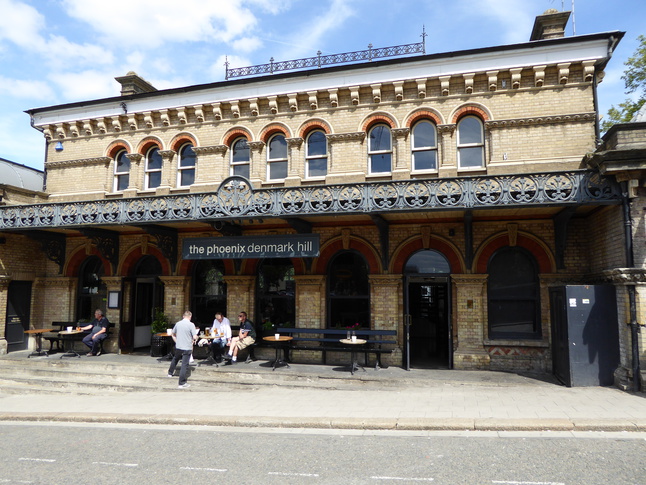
pixel 357 136
pixel 541 120
pixel 626 276
pixel 221 149
pixel 80 163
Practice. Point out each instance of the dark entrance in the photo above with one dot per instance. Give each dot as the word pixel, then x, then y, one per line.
pixel 18 314
pixel 148 295
pixel 430 345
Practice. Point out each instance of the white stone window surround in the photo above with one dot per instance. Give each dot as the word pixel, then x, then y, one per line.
pixel 121 174
pixel 419 147
pixel 240 157
pixel 315 158
pixel 470 143
pixel 186 165
pixel 380 149
pixel 277 154
pixel 153 168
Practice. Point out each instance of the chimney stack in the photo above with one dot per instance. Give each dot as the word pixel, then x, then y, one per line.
pixel 550 25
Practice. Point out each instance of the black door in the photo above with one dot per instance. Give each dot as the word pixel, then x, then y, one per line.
pixel 18 314
pixel 430 340
pixel 148 296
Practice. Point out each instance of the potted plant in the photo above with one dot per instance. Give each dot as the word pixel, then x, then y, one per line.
pixel 159 324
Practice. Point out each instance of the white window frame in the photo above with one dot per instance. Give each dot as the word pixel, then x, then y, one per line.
pixel 271 161
pixel 311 158
pixel 421 149
pixel 372 152
pixel 463 146
pixel 120 175
pixel 149 171
pixel 181 169
pixel 247 162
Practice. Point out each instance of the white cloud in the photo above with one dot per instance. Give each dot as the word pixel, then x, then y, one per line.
pixel 89 84
pixel 21 24
pixel 514 17
pixel 81 54
pixel 247 44
pixel 17 88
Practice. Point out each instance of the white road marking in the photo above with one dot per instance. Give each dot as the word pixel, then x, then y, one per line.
pixel 114 464
pixel 404 478
pixel 46 460
pixel 283 474
pixel 203 469
pixel 526 483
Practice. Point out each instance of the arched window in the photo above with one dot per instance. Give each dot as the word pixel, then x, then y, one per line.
pixel 380 151
pixel 513 295
pixel 209 291
pixel 153 168
pixel 348 291
pixel 424 146
pixel 316 154
pixel 275 295
pixel 470 143
pixel 427 261
pixel 121 172
pixel 277 158
pixel 186 166
pixel 92 291
pixel 240 158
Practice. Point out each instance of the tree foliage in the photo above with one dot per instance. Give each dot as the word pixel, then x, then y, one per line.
pixel 635 81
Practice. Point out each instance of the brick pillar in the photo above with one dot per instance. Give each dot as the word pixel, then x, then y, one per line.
pixel 386 309
pixel 310 301
pixel 113 283
pixel 470 321
pixel 4 290
pixel 176 296
pixel 240 297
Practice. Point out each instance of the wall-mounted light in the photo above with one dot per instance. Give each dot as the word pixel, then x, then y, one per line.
pixel 59 146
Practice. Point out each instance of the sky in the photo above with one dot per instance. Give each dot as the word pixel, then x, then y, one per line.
pixel 61 51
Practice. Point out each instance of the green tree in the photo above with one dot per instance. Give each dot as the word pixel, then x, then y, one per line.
pixel 635 81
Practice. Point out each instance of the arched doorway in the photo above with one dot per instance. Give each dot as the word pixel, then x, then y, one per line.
pixel 428 342
pixel 148 295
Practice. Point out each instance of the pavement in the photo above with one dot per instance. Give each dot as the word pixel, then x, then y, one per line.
pixel 131 388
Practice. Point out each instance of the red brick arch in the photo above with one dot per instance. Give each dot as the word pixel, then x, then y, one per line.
pixel 272 129
pixel 181 139
pixel 336 245
pixel 236 133
pixel 406 250
pixel 130 260
pixel 544 258
pixel 470 110
pixel 378 118
pixel 76 259
pixel 421 115
pixel 312 125
pixel 147 143
pixel 116 146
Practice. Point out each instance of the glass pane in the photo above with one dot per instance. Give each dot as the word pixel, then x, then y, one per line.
pixel 122 182
pixel 427 261
pixel 317 167
pixel 277 170
pixel 276 295
pixel 277 148
pixel 425 160
pixel 241 170
pixel 188 177
pixel 187 156
pixel 154 159
pixel 423 135
pixel 471 157
pixel 380 163
pixel 316 144
pixel 379 138
pixel 517 317
pixel 123 163
pixel 240 151
pixel 154 180
pixel 469 131
pixel 349 276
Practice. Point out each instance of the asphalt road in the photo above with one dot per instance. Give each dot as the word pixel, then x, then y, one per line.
pixel 56 453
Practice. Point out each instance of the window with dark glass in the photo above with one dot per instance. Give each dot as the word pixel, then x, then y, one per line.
pixel 153 168
pixel 209 291
pixel 380 151
pixel 275 295
pixel 240 158
pixel 424 146
pixel 121 171
pixel 513 295
pixel 316 155
pixel 348 291
pixel 277 158
pixel 427 261
pixel 186 166
pixel 470 143
pixel 92 291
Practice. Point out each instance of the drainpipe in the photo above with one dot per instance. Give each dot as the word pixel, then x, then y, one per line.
pixel 634 326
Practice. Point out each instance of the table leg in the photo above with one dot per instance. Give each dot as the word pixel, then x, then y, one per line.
pixel 70 352
pixel 39 347
pixel 354 364
pixel 278 361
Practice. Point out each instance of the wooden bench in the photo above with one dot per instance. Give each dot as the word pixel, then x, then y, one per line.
pixel 328 340
pixel 55 338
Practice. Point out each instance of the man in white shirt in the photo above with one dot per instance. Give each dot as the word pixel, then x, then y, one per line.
pixel 184 334
pixel 221 328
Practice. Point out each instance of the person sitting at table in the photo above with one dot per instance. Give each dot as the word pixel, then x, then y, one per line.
pixel 99 327
pixel 222 328
pixel 246 337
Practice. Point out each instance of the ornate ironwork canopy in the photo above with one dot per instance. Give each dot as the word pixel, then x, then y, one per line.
pixel 236 199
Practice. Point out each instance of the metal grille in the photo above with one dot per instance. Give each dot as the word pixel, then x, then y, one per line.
pixel 320 60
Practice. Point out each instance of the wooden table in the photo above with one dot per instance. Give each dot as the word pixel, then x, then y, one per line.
pixel 68 342
pixel 279 343
pixel 354 364
pixel 38 332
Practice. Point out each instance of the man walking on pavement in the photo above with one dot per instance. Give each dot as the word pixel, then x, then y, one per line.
pixel 184 334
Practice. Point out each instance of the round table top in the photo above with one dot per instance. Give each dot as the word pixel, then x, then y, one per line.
pixel 210 337
pixel 282 338
pixel 39 330
pixel 163 334
pixel 73 332
pixel 358 341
